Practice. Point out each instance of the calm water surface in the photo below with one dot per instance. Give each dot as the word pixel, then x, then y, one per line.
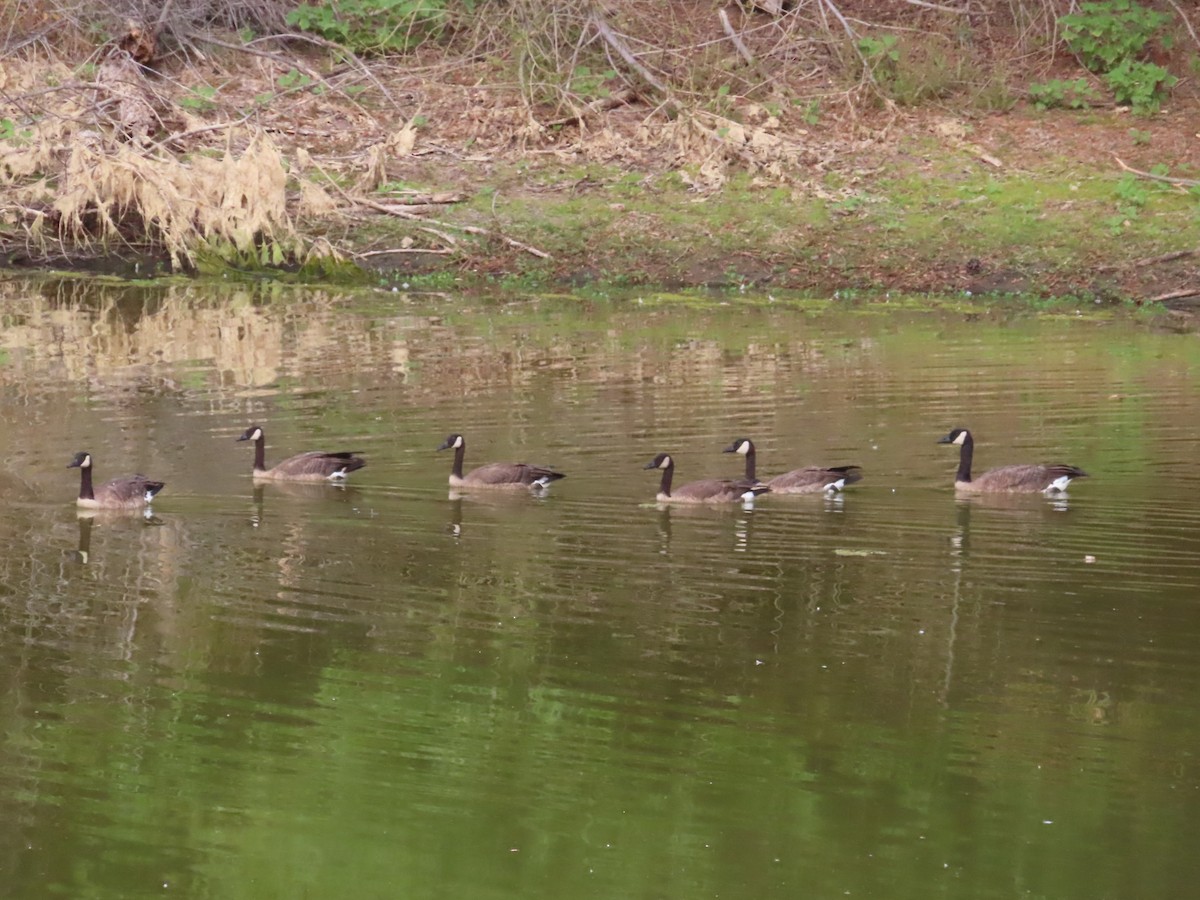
pixel 386 691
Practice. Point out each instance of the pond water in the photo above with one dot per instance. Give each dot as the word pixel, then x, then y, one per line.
pixel 384 690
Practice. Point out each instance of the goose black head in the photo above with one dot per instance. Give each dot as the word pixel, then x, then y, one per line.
pixel 454 440
pixel 662 461
pixel 253 433
pixel 956 436
pixel 82 460
pixel 741 446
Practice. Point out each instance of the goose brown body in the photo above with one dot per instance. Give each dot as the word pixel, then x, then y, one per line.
pixel 1029 479
pixel 805 480
pixel 709 490
pixel 495 475
pixel 314 465
pixel 122 492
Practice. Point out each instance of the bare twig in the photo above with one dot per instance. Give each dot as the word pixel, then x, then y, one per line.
pixel 1166 179
pixel 1186 22
pixel 937 6
pixel 162 16
pixel 735 38
pixel 358 63
pixel 622 50
pixel 295 62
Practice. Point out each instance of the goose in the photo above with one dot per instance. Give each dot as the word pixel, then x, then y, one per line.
pixel 1047 479
pixel 808 480
pixel 496 475
pixel 122 492
pixel 315 465
pixel 710 490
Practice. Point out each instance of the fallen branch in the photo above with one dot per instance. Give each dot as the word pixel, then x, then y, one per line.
pixel 1181 182
pixel 1150 260
pixel 469 229
pixel 1176 295
pixel 367 253
pixel 413 198
pixel 602 104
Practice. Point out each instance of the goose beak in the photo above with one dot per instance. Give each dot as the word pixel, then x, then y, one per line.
pixel 446 445
pixel 945 439
pixel 650 465
pixel 732 448
pixel 244 437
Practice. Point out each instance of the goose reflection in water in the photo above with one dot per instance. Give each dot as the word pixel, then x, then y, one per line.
pixel 86 518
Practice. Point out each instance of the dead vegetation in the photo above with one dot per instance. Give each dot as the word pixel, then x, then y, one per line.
pixel 179 135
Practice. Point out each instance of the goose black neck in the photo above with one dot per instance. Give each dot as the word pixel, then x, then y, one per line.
pixel 750 465
pixel 85 483
pixel 260 454
pixel 459 452
pixel 964 459
pixel 664 486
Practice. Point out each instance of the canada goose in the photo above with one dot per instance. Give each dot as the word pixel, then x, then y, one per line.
pixel 710 490
pixel 1031 478
pixel 122 492
pixel 495 475
pixel 315 465
pixel 808 480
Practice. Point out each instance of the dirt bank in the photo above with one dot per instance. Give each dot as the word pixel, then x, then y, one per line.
pixel 282 159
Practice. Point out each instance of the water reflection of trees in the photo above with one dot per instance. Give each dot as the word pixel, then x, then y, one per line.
pixel 118 336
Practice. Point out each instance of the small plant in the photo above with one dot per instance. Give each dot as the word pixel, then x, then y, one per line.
pixel 293 79
pixel 812 112
pixel 1138 84
pixel 1139 138
pixel 1059 94
pixel 1109 37
pixel 372 26
pixel 591 85
pixel 1132 194
pixel 199 98
pixel 721 102
pixel 1105 34
pixel 881 54
pixel 10 132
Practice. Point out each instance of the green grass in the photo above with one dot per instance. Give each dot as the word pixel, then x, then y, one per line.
pixel 935 210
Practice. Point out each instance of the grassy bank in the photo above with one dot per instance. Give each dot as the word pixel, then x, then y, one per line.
pixel 928 217
pixel 558 144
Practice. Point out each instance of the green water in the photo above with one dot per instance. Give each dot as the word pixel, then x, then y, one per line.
pixel 387 691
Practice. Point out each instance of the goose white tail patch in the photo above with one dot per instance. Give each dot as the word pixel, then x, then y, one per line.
pixel 339 475
pixel 749 496
pixel 542 482
pixel 149 496
pixel 834 486
pixel 1058 484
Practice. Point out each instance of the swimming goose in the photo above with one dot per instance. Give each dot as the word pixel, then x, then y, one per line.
pixel 122 492
pixel 315 465
pixel 496 475
pixel 1028 479
pixel 808 480
pixel 711 490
